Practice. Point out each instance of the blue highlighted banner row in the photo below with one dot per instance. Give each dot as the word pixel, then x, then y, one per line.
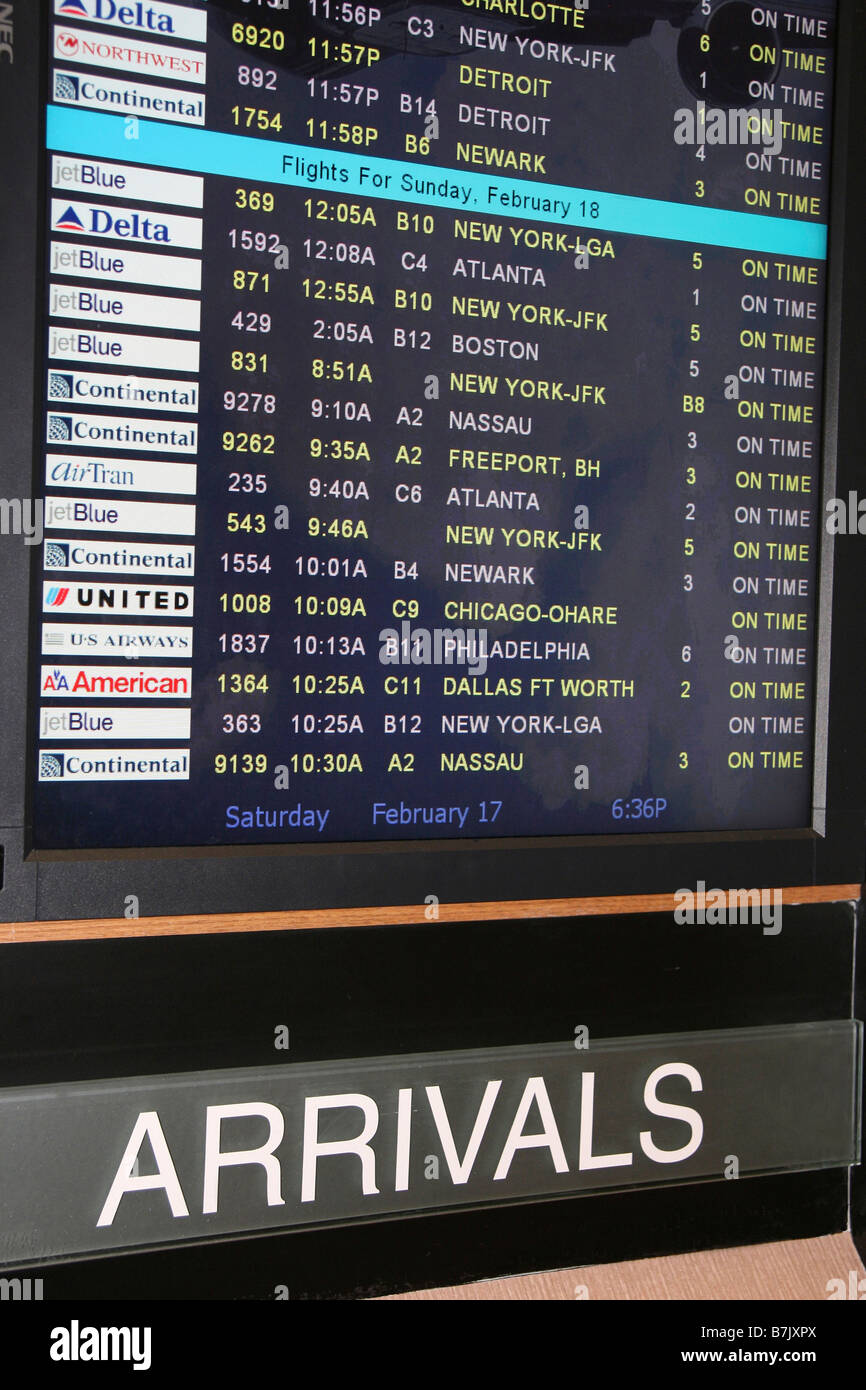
pixel 240 156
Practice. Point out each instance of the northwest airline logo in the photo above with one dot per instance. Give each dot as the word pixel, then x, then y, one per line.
pixel 56 597
pixel 67 43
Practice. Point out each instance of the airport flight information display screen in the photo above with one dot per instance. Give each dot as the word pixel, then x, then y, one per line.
pixel 431 434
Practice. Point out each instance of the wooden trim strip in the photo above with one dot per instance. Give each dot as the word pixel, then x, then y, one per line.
pixel 115 927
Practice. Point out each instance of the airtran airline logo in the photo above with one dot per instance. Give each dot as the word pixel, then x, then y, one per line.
pixel 170 20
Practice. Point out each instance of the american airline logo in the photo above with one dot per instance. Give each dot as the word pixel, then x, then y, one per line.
pixel 118 682
pixel 98 50
pixel 161 19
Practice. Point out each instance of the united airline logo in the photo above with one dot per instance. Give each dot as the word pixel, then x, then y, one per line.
pixel 69 221
pixel 55 597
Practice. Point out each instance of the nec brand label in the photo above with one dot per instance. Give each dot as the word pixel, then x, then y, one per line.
pixel 168 21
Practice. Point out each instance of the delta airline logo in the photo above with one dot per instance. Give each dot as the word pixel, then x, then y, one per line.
pixel 125 224
pixel 69 221
pixel 163 19
pixel 136 55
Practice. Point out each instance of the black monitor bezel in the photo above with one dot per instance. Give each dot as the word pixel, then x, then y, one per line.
pixel 180 881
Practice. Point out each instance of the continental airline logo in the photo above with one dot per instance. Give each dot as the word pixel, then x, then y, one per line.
pixel 69 221
pixel 117 682
pixel 119 765
pixel 127 97
pixel 168 21
pixel 116 558
pixel 129 55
